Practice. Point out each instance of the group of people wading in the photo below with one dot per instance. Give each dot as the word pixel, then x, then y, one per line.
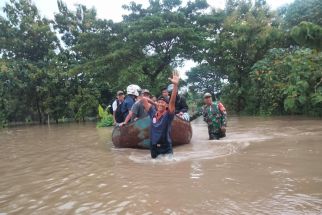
pixel 140 103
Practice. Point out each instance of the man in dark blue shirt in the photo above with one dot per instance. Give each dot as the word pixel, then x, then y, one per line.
pixel 133 91
pixel 161 120
pixel 127 105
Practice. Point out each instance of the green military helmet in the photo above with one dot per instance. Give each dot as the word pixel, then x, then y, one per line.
pixel 207 95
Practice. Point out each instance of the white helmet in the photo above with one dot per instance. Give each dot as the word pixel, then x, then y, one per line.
pixel 133 90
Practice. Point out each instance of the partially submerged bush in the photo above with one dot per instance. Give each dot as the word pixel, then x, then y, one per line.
pixel 106 119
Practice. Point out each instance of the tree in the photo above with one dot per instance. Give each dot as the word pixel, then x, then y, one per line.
pixel 204 78
pixel 308 35
pixel 288 81
pixel 86 40
pixel 299 11
pixel 161 36
pixel 245 37
pixel 261 61
pixel 27 46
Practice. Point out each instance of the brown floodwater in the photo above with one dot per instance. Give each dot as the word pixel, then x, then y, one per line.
pixel 263 166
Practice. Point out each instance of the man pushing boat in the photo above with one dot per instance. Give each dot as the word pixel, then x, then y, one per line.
pixel 161 118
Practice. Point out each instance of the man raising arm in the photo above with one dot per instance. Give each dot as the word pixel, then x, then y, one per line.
pixel 161 119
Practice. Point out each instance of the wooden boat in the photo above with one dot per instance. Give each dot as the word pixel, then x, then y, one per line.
pixel 136 134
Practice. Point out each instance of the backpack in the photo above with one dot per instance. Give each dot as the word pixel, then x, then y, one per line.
pixel 119 115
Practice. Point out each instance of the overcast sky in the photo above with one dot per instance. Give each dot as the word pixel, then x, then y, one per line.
pixel 112 9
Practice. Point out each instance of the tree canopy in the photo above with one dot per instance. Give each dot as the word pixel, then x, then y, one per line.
pixel 261 61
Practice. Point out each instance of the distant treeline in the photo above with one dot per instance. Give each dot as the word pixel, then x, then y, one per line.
pixel 260 61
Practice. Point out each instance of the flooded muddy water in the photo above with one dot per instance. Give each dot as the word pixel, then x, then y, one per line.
pixel 263 166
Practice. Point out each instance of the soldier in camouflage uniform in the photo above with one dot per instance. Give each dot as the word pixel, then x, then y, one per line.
pixel 215 116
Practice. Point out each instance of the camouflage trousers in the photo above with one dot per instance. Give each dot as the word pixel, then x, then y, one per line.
pixel 215 132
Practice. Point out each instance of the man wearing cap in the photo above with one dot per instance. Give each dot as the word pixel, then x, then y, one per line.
pixel 215 116
pixel 116 107
pixel 161 120
pixel 137 111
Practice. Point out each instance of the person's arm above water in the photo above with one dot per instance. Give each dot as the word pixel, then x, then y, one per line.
pixel 151 101
pixel 132 113
pixel 127 119
pixel 114 107
pixel 135 111
pixel 221 107
pixel 175 81
pixel 223 111
pixel 146 104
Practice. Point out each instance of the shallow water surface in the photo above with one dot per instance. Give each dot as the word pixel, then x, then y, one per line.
pixel 263 166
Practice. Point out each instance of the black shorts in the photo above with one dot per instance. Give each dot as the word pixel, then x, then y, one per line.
pixel 160 148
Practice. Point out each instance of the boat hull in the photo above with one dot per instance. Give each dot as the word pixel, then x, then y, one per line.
pixel 137 134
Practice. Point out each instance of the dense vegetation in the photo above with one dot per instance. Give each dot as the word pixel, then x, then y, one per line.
pixel 260 61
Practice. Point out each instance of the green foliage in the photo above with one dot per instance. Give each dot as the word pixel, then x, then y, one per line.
pixel 107 122
pixel 83 103
pixel 308 35
pixel 26 51
pixel 194 101
pixel 204 78
pixel 244 37
pixel 252 64
pixel 106 119
pixel 247 52
pixel 288 81
pixel 299 11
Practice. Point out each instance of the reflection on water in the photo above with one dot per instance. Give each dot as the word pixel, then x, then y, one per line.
pixel 263 166
pixel 196 170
